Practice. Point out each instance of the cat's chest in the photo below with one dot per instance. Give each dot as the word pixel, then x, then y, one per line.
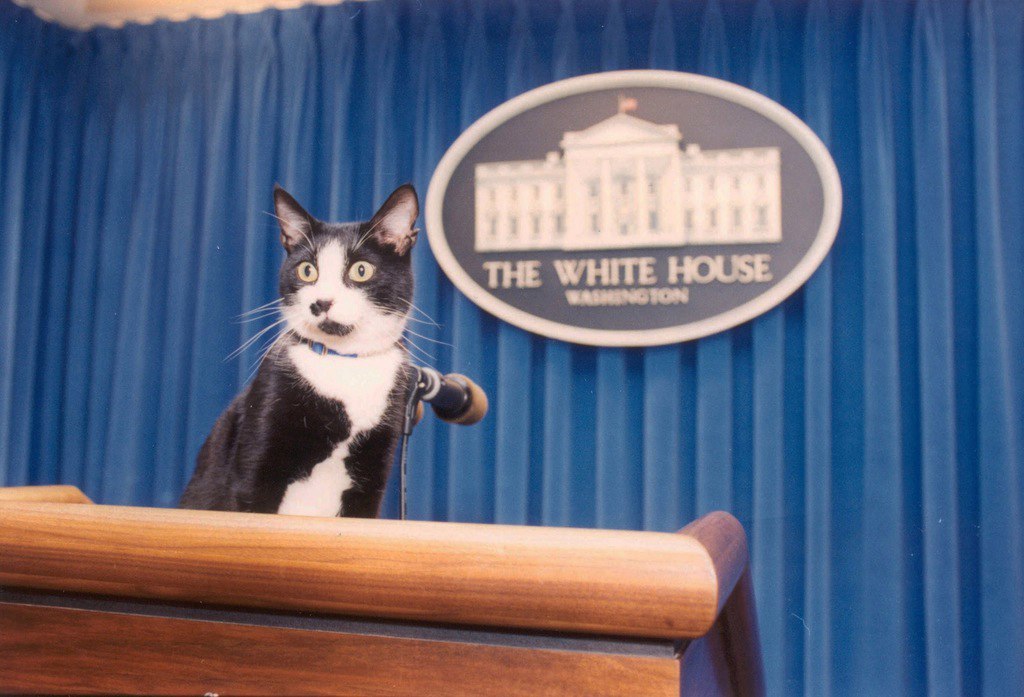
pixel 363 385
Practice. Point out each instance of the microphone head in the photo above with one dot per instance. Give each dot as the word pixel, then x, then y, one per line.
pixel 477 407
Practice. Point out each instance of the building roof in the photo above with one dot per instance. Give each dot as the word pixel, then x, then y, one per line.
pixel 622 129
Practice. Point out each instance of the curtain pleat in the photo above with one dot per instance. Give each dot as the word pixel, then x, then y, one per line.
pixel 883 558
pixel 258 130
pixel 131 430
pixel 868 432
pixel 714 397
pixel 338 44
pixel 768 519
pixel 556 458
pixel 933 184
pixel 29 188
pixel 471 459
pixel 175 368
pixel 433 293
pixel 995 30
pixel 21 54
pixel 515 349
pixel 48 412
pixel 662 470
pixel 817 394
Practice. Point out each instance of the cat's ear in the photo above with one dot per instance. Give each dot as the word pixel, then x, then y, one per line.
pixel 296 223
pixel 392 225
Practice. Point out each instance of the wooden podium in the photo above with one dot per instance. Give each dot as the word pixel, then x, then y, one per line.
pixel 108 599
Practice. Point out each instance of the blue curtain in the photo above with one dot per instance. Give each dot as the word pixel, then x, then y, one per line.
pixel 869 432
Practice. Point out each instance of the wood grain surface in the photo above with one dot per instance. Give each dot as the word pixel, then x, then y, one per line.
pixel 730 654
pixel 587 581
pixel 71 651
pixel 704 669
pixel 741 639
pixel 723 539
pixel 44 494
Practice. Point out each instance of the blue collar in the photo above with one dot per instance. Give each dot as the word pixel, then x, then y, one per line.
pixel 317 347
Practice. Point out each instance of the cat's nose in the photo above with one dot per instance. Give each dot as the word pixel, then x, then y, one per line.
pixel 320 306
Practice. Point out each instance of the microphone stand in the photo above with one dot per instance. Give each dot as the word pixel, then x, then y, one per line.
pixel 454 398
pixel 417 388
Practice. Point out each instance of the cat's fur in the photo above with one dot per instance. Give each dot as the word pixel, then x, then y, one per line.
pixel 315 433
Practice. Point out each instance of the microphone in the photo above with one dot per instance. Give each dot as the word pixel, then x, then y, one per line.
pixel 453 397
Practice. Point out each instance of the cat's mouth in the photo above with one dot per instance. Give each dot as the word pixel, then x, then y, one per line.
pixel 329 326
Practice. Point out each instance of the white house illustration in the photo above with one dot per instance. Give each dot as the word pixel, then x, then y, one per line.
pixel 625 183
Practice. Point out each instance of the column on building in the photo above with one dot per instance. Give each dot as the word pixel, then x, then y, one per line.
pixel 773 195
pixel 574 203
pixel 607 199
pixel 643 228
pixel 674 198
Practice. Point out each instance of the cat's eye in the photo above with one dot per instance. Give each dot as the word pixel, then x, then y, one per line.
pixel 307 272
pixel 361 271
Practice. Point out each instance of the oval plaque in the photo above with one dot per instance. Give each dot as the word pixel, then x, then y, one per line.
pixel 633 208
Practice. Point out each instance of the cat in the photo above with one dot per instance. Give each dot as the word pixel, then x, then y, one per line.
pixel 315 432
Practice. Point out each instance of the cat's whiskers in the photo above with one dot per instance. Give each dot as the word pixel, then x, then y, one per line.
pixel 268 346
pixel 258 318
pixel 419 348
pixel 254 338
pixel 270 341
pixel 264 306
pixel 259 313
pixel 414 308
pixel 427 338
pixel 250 342
pixel 407 330
pixel 423 321
pixel 265 314
pixel 266 350
pixel 406 317
pixel 427 360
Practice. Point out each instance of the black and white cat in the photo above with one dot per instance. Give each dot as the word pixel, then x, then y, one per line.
pixel 315 432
